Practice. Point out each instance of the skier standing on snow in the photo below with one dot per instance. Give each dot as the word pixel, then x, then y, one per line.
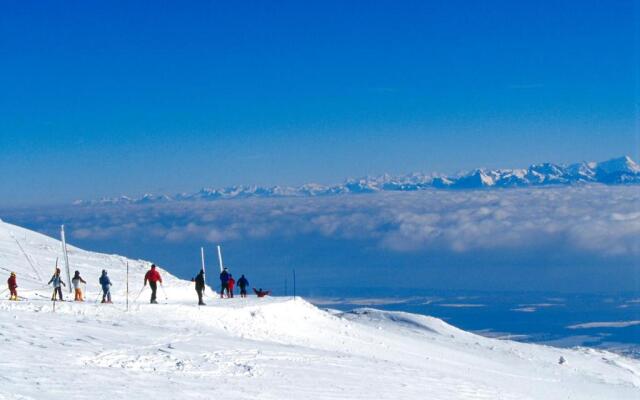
pixel 105 282
pixel 242 284
pixel 230 285
pixel 224 282
pixel 56 280
pixel 11 282
pixel 199 280
pixel 76 281
pixel 153 277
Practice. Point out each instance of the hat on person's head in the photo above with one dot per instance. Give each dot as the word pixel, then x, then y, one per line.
pixel 13 274
pixel 153 266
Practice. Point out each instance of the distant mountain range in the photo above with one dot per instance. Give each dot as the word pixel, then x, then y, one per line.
pixel 622 170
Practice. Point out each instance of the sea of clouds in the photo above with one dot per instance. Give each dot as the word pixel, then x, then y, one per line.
pixel 595 221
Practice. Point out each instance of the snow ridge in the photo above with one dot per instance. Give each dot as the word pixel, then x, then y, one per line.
pixel 270 348
pixel 621 170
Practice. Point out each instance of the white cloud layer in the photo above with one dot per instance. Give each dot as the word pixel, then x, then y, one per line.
pixel 602 220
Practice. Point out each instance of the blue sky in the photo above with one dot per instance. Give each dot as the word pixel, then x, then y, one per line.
pixel 105 98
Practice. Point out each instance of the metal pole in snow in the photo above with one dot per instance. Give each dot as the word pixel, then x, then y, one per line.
pixel 204 271
pixel 66 257
pixel 127 286
pixel 220 258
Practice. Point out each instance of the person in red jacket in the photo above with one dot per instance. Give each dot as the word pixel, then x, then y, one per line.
pixel 230 285
pixel 153 277
pixel 12 286
pixel 261 293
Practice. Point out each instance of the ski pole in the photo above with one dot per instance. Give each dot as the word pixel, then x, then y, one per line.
pixel 4 290
pixel 141 290
pixel 165 293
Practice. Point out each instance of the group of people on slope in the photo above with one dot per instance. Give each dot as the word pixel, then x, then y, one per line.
pixel 227 285
pixel 77 282
pixel 152 277
pixel 57 283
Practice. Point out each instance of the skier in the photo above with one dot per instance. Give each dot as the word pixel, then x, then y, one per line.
pixel 76 281
pixel 56 280
pixel 224 282
pixel 261 293
pixel 242 284
pixel 230 285
pixel 12 286
pixel 153 277
pixel 105 282
pixel 199 280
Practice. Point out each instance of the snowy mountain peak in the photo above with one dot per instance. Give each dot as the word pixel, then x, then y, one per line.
pixel 621 170
pixel 619 165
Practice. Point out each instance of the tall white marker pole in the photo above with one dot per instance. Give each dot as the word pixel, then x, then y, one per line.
pixel 127 285
pixel 220 258
pixel 204 270
pixel 66 258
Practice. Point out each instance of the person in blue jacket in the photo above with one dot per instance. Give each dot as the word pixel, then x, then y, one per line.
pixel 224 282
pixel 105 282
pixel 242 284
pixel 57 282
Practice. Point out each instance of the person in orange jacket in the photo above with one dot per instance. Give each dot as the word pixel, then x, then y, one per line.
pixel 153 277
pixel 12 286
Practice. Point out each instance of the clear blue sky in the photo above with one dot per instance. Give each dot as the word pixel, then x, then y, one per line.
pixel 105 98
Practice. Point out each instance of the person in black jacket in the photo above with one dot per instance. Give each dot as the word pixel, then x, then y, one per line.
pixel 224 282
pixel 199 280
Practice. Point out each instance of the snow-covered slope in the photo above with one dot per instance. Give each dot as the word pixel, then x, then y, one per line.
pixel 622 170
pixel 33 257
pixel 272 348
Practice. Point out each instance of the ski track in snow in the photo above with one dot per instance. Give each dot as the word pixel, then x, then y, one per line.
pixel 272 348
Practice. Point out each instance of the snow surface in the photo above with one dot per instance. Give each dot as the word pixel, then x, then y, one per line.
pixel 271 348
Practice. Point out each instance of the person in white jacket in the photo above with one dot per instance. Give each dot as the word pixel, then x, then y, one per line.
pixel 77 282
